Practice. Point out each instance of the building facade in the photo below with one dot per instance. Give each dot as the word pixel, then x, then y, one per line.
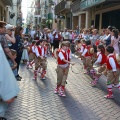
pixel 64 14
pixel 4 9
pixel 85 13
pixel 10 12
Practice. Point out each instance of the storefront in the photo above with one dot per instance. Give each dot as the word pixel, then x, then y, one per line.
pixel 103 12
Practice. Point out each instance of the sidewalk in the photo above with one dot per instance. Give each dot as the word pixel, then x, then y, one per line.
pixel 37 100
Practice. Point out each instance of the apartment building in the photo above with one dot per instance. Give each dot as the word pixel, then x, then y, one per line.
pixel 64 14
pixel 4 4
pixel 84 13
pixel 10 12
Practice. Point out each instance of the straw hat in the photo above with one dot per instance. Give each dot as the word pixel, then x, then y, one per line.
pixel 91 50
pixel 48 30
pixel 45 29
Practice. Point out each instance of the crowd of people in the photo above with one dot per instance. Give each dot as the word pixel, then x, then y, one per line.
pixel 33 45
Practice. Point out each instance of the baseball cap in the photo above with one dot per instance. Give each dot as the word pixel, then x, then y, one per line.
pixel 8 26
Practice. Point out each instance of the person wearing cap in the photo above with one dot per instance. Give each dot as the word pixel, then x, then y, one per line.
pixel 10 35
pixel 4 42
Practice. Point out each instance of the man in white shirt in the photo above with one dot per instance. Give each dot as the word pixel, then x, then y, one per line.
pixel 65 35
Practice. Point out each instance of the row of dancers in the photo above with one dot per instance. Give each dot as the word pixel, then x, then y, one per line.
pixel 106 61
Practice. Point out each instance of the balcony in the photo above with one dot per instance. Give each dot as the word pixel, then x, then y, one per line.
pixel 7 2
pixel 63 6
pixel 86 4
pixel 75 6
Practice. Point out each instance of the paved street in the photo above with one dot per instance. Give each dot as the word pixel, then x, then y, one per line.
pixel 36 101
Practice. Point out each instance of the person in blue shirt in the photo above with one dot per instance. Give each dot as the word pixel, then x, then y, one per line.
pixel 108 37
pixel 8 84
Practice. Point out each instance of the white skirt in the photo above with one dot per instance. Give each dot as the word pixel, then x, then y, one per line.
pixel 25 55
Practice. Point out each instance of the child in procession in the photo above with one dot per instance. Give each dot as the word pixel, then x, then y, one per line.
pixel 62 68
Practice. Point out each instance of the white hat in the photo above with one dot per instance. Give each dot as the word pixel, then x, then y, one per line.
pixel 8 26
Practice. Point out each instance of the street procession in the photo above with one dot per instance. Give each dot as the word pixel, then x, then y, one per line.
pixel 59 64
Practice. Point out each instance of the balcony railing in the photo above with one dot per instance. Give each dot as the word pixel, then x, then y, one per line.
pixel 75 6
pixel 63 5
pixel 7 2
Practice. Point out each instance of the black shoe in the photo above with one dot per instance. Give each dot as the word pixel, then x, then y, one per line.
pixel 18 78
pixel 2 118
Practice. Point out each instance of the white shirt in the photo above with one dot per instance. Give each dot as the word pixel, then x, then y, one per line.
pixel 99 59
pixel 43 52
pixel 82 49
pixel 32 33
pixel 33 49
pixel 51 37
pixel 70 36
pixel 112 63
pixel 84 52
pixel 36 52
pixel 56 36
pixel 65 35
pixel 61 56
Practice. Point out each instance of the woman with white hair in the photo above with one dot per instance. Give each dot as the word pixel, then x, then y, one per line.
pixel 10 35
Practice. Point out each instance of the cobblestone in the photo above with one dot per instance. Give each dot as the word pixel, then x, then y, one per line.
pixel 37 101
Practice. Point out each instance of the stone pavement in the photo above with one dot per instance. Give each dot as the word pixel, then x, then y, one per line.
pixel 36 101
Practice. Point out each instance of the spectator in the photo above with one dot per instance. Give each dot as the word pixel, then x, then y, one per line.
pixel 32 33
pixel 18 46
pixel 65 35
pixel 4 43
pixel 38 34
pixel 114 40
pixel 70 36
pixel 94 38
pixel 8 85
pixel 27 32
pixel 77 30
pixel 57 38
pixel 107 39
pixel 10 35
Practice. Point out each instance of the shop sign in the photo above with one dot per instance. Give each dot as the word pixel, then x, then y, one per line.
pixel 89 3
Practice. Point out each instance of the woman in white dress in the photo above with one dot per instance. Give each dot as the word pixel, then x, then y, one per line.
pixel 25 56
pixel 114 40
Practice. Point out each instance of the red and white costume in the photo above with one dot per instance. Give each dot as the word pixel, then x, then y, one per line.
pixel 82 48
pixel 64 55
pixel 86 51
pixel 41 51
pixel 101 58
pixel 112 66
